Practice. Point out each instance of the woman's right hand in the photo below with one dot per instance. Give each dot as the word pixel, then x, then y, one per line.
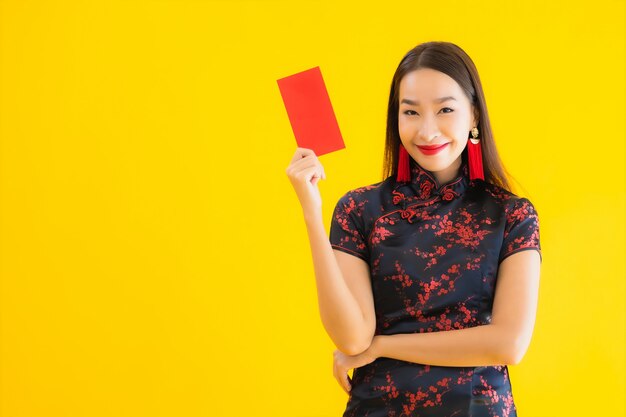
pixel 304 172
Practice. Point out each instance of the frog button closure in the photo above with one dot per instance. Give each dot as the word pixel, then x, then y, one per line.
pixel 423 187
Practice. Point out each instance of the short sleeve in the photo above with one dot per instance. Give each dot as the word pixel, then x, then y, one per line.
pixel 522 229
pixel 347 232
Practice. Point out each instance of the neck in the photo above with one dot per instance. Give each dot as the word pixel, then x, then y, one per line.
pixel 448 174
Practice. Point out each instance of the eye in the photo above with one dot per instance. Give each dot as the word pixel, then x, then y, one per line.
pixel 408 112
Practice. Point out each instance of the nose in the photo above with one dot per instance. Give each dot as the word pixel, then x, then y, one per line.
pixel 428 130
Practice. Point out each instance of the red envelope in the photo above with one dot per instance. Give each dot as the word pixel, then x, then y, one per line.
pixel 310 112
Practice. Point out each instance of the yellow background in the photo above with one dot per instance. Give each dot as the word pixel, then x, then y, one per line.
pixel 154 260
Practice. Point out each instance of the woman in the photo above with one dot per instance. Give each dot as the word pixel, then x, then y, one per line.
pixel 407 281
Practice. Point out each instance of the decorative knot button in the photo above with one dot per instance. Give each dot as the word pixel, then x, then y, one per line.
pixel 426 189
pixel 408 214
pixel 449 195
pixel 398 197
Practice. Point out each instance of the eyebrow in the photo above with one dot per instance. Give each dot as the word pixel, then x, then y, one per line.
pixel 437 100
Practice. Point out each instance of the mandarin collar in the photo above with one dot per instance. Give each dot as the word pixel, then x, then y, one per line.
pixel 424 186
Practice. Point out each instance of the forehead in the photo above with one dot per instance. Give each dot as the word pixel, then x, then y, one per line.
pixel 426 84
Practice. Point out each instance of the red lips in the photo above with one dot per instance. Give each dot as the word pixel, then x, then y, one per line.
pixel 432 149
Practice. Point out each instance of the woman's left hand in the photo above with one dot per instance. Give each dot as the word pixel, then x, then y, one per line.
pixel 342 363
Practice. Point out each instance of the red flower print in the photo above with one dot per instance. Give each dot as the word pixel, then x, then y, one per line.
pixel 433 253
pixel 380 233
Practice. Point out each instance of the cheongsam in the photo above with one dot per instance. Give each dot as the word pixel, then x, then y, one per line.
pixel 433 252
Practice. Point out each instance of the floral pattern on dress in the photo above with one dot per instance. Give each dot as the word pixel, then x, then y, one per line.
pixel 433 251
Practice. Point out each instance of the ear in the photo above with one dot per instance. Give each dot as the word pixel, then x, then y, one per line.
pixel 476 116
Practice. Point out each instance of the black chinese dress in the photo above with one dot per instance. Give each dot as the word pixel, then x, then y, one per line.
pixel 433 252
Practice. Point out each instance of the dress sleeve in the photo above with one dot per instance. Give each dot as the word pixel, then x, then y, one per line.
pixel 522 229
pixel 347 232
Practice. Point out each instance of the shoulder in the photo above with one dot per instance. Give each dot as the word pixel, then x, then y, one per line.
pixel 367 194
pixel 363 203
pixel 501 196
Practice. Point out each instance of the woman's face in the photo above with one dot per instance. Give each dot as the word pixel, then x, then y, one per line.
pixel 424 119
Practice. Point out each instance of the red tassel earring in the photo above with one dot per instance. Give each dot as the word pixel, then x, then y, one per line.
pixel 475 156
pixel 404 170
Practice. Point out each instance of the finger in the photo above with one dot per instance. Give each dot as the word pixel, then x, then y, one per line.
pixel 298 166
pixel 315 178
pixel 346 382
pixel 337 372
pixel 341 382
pixel 304 162
pixel 341 385
pixel 301 153
pixel 311 174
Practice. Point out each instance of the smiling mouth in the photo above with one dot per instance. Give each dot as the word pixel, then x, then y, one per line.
pixel 432 147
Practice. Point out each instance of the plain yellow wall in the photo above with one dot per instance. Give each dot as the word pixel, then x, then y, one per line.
pixel 154 261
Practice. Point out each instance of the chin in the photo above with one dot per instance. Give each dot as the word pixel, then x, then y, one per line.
pixel 433 165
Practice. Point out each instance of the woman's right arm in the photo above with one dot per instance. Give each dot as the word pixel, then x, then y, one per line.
pixel 344 292
pixel 343 286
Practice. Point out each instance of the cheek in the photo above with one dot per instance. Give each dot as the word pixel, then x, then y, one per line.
pixel 457 128
pixel 404 128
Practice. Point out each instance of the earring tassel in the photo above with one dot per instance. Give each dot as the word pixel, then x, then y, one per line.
pixel 404 170
pixel 475 160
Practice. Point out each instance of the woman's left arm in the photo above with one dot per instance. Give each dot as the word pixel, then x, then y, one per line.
pixel 503 341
